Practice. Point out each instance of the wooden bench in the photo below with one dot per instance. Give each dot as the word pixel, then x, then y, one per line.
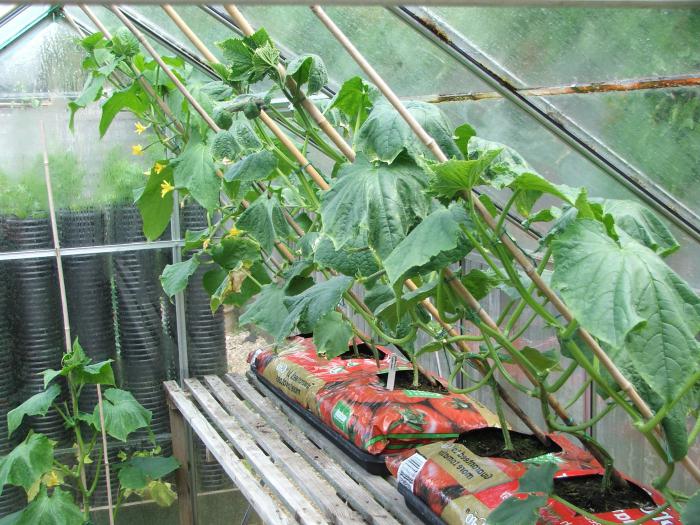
pixel 287 471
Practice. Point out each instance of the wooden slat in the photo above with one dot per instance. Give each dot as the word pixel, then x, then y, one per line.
pixel 178 432
pixel 299 470
pixel 275 479
pixel 386 495
pixel 268 510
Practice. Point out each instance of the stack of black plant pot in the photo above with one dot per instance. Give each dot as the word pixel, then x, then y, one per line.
pixel 36 317
pixel 88 290
pixel 139 317
pixel 206 345
pixel 12 498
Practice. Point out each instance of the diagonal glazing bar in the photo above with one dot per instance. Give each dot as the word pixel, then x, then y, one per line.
pixel 545 114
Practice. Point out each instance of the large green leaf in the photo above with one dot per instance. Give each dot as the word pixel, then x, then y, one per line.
pixel 641 223
pixel 385 133
pixel 268 310
pixel 55 509
pixel 27 462
pixel 517 511
pixel 539 477
pixel 81 370
pixel 624 294
pixel 308 69
pixel 374 205
pixel 233 252
pixel 175 276
pixel 137 472
pixel 508 169
pixel 123 414
pixel 265 221
pixel 256 166
pixel 308 307
pixel 37 405
pixel 332 334
pixel 432 245
pixel 155 205
pixel 124 43
pixel 458 175
pixel 194 170
pixel 130 98
pixel 355 99
pixel 355 261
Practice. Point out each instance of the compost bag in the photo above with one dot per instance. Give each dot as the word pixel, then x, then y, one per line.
pixel 461 487
pixel 299 372
pixel 349 397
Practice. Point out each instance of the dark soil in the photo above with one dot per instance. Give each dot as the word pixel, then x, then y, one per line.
pixel 404 381
pixel 488 443
pixel 586 492
pixel 363 352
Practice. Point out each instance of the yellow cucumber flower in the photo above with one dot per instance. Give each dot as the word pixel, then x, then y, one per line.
pixel 140 128
pixel 158 167
pixel 234 232
pixel 165 188
pixel 137 149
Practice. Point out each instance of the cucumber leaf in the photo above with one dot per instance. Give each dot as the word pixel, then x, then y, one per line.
pixel 267 311
pixel 308 307
pixel 308 69
pixel 434 244
pixel 194 171
pixel 374 205
pixel 265 221
pixel 625 295
pixel 332 334
pixel 385 134
pixel 27 462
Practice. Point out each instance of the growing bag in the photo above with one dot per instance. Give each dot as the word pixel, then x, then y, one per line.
pixel 462 488
pixel 299 373
pixel 379 420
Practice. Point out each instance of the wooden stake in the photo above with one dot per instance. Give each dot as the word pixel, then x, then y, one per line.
pixel 522 259
pixel 66 320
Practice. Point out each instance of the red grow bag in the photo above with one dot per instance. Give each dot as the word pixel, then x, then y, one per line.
pixel 348 397
pixel 461 488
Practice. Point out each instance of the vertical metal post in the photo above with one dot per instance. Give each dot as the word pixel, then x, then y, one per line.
pixel 182 360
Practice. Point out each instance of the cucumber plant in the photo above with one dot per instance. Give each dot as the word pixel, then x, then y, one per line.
pixel 393 224
pixel 58 486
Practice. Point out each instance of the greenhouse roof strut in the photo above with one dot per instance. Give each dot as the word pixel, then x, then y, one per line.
pixel 434 28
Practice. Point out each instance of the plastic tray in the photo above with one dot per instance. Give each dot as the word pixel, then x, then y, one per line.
pixel 419 507
pixel 374 464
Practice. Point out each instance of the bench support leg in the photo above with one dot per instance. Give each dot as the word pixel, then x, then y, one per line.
pixel 178 430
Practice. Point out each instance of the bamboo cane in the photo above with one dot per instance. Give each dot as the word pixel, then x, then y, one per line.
pixel 309 106
pixel 507 398
pixel 66 320
pixel 522 259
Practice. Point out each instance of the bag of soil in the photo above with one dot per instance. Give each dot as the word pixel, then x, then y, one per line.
pixel 379 420
pixel 461 487
pixel 299 373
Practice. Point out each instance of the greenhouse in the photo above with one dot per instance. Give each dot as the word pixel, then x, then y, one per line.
pixel 285 263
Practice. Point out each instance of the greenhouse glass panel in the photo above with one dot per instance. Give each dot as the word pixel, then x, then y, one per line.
pixel 21 20
pixel 45 60
pixel 552 46
pixel 655 130
pixel 409 63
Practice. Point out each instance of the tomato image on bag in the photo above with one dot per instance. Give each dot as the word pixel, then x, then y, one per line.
pixel 378 420
pixel 299 372
pixel 461 487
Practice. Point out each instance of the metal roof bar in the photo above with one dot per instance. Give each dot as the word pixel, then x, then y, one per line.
pixel 436 30
pixel 644 4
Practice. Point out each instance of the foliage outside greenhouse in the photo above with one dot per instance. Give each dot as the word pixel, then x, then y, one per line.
pixel 378 237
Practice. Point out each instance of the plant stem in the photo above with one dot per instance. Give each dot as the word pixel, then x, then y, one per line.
pixel 507 442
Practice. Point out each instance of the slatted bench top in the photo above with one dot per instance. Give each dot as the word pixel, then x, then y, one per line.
pixel 286 470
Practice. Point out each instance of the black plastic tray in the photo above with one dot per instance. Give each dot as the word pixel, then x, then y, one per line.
pixel 419 507
pixel 372 463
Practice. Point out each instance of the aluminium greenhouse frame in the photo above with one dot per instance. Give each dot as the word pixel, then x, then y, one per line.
pixel 503 83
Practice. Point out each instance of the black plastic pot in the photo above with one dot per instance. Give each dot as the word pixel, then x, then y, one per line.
pixel 35 316
pixel 206 338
